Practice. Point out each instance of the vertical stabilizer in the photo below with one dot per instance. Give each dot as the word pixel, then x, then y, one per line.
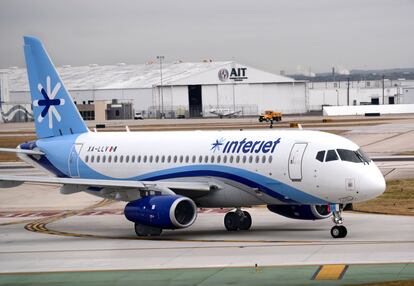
pixel 54 112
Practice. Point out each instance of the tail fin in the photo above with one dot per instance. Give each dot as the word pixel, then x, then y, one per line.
pixel 55 114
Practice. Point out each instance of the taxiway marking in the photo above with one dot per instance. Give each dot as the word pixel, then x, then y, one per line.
pixel 330 272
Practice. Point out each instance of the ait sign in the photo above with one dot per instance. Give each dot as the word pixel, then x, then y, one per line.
pixel 236 74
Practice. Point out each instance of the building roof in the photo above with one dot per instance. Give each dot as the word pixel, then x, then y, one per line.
pixel 123 76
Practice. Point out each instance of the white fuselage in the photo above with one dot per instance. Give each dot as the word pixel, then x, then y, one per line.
pixel 254 167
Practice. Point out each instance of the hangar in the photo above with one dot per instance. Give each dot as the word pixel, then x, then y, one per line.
pixel 166 89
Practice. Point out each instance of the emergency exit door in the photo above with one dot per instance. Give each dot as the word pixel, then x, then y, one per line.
pixel 73 160
pixel 295 161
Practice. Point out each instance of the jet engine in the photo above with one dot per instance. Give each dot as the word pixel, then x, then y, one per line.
pixel 304 212
pixel 170 212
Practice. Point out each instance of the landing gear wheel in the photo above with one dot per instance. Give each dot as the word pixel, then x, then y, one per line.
pixel 245 221
pixel 145 230
pixel 231 221
pixel 338 231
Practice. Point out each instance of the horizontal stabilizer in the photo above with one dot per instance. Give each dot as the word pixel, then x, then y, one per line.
pixel 21 151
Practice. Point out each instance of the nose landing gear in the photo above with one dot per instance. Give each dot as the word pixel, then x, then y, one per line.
pixel 338 231
pixel 237 220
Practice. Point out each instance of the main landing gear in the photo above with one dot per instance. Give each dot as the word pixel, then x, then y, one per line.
pixel 338 231
pixel 237 220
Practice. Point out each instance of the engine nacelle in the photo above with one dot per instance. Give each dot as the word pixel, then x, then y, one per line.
pixel 304 212
pixel 169 212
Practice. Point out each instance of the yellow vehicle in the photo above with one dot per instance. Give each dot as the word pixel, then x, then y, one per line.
pixel 270 115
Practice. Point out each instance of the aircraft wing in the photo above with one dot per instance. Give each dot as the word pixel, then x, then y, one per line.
pixel 122 189
pixel 22 151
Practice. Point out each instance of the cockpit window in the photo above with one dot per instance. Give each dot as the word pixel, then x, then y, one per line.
pixel 320 156
pixel 364 156
pixel 350 156
pixel 331 156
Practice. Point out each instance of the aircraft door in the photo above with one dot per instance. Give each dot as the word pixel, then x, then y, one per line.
pixel 295 161
pixel 73 160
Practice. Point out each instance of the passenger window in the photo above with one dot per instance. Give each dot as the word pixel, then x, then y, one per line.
pixel 244 158
pixel 98 158
pixel 225 159
pixel 92 158
pixel 187 159
pixel 320 156
pixel 238 159
pixel 257 159
pixel 115 158
pixel 127 159
pixel 218 159
pixel 103 159
pixel 86 158
pixel 157 159
pixel 200 159
pixel 169 159
pixel 162 159
pixel 212 159
pixel 264 159
pixel 145 159
pixel 139 159
pixel 250 158
pixel 206 159
pixel 175 159
pixel 181 158
pixel 150 158
pixel 270 159
pixel 194 159
pixel 109 159
pixel 331 156
pixel 133 159
pixel 121 158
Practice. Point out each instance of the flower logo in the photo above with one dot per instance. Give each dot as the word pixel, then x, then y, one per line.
pixel 49 102
pixel 216 145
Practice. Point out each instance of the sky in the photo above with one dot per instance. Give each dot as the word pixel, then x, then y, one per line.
pixel 272 35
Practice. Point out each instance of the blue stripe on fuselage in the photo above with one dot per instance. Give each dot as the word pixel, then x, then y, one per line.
pixel 57 150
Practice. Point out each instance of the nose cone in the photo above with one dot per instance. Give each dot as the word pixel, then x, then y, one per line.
pixel 372 184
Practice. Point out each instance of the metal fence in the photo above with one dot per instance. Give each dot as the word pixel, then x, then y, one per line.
pixel 182 111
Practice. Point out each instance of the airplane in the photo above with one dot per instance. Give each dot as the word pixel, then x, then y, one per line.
pixel 224 112
pixel 166 176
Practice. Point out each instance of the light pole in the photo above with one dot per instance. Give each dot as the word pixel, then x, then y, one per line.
pixel 161 58
pixel 337 97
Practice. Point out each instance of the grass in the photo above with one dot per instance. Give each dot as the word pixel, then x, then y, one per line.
pixel 406 153
pixel 12 142
pixel 398 199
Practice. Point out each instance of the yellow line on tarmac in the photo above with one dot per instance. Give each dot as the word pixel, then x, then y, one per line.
pixel 330 272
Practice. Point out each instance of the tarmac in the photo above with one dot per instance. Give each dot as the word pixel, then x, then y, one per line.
pixel 46 237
